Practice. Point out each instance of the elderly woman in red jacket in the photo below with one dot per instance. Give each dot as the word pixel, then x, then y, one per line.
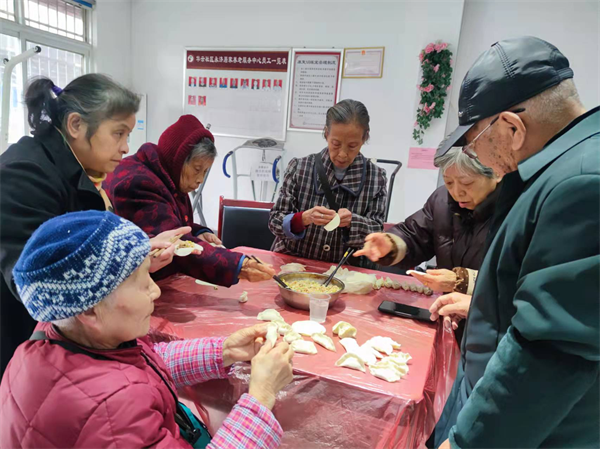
pixel 89 376
pixel 151 189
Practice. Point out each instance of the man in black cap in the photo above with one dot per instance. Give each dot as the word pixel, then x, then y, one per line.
pixel 530 355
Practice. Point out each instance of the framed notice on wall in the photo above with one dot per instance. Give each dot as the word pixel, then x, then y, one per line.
pixel 363 62
pixel 240 93
pixel 315 87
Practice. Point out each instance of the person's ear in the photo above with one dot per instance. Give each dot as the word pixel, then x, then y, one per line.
pixel 76 127
pixel 515 126
pixel 91 317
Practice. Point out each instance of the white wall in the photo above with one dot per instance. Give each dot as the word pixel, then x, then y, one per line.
pixel 161 30
pixel 111 29
pixel 572 26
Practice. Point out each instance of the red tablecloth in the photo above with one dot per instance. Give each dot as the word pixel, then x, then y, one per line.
pixel 325 406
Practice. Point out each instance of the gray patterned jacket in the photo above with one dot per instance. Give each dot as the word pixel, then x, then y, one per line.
pixel 362 191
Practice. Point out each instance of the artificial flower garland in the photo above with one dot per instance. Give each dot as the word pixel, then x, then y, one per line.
pixel 436 66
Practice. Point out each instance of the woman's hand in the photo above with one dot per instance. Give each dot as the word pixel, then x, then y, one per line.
pixel 271 371
pixel 318 215
pixel 209 237
pixel 443 281
pixel 376 246
pixel 163 241
pixel 453 307
pixel 256 272
pixel 345 218
pixel 243 345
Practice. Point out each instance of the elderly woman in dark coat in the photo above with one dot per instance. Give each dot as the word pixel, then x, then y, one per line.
pixel 357 185
pixel 151 189
pixel 452 226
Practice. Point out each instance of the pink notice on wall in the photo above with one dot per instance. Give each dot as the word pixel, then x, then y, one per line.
pixel 421 158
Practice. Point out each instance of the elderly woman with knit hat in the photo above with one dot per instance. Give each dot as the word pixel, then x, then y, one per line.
pixel 151 189
pixel 89 376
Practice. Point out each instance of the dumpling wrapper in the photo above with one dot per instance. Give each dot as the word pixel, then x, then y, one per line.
pixel 333 224
pixel 269 315
pixel 378 284
pixel 395 285
pixel 387 373
pixel 388 283
pixel 401 368
pixel 368 354
pixel 324 341
pixel 292 268
pixel 283 327
pixel 304 347
pixel 186 251
pixel 381 344
pixel 400 357
pixel 243 297
pixel 291 337
pixel 349 344
pixel 272 333
pixel 352 361
pixel 308 328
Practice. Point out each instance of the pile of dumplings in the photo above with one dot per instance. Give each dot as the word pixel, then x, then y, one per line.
pixel 390 367
pixel 389 283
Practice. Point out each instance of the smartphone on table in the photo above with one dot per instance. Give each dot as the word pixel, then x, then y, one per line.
pixel 404 311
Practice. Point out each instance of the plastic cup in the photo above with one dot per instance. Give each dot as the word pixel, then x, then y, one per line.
pixel 319 304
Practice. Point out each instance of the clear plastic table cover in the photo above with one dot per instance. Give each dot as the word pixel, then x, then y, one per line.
pixel 325 406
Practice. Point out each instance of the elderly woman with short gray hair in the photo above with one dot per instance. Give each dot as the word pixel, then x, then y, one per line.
pixel 357 192
pixel 452 226
pixel 151 189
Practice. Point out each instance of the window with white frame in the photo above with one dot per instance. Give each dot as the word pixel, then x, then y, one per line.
pixel 61 28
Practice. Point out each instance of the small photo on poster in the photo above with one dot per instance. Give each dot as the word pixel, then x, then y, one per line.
pixel 192 100
pixel 223 83
pixel 277 85
pixel 245 84
pixel 202 81
pixel 266 85
pixel 255 84
pixel 233 83
pixel 202 100
pixel 192 81
pixel 212 83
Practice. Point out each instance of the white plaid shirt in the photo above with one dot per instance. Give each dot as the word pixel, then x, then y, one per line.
pixel 362 191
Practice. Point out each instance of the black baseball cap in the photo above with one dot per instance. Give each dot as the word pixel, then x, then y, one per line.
pixel 508 73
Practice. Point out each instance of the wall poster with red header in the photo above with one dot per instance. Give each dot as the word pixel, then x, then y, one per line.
pixel 239 92
pixel 315 87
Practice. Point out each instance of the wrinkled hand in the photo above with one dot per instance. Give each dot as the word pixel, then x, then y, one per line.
pixel 345 218
pixel 453 307
pixel 256 272
pixel 318 215
pixel 209 237
pixel 271 371
pixel 376 246
pixel 443 281
pixel 162 241
pixel 243 345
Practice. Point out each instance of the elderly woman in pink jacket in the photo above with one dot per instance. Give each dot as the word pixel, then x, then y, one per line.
pixel 89 376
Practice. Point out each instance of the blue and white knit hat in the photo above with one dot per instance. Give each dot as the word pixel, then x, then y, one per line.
pixel 74 261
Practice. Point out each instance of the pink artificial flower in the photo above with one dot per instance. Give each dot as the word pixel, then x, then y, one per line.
pixel 416 123
pixel 447 88
pixel 429 48
pixel 436 68
pixel 451 61
pixel 421 56
pixel 432 105
pixel 429 88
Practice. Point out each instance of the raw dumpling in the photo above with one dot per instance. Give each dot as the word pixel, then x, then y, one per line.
pixel 291 337
pixel 344 330
pixel 427 291
pixel 324 341
pixel 308 328
pixel 282 327
pixel 395 285
pixel 405 286
pixel 386 373
pixel 388 283
pixel 272 334
pixel 419 289
pixel 368 354
pixel 269 315
pixel 304 347
pixel 382 344
pixel 186 247
pixel 349 344
pixel 292 268
pixel 401 368
pixel 199 282
pixel 243 297
pixel 378 284
pixel 352 361
pixel 333 224
pixel 413 287
pixel 400 357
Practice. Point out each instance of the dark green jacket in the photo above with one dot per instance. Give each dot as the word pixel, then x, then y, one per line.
pixel 531 348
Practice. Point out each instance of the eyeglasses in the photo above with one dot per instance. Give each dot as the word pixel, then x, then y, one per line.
pixel 469 149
